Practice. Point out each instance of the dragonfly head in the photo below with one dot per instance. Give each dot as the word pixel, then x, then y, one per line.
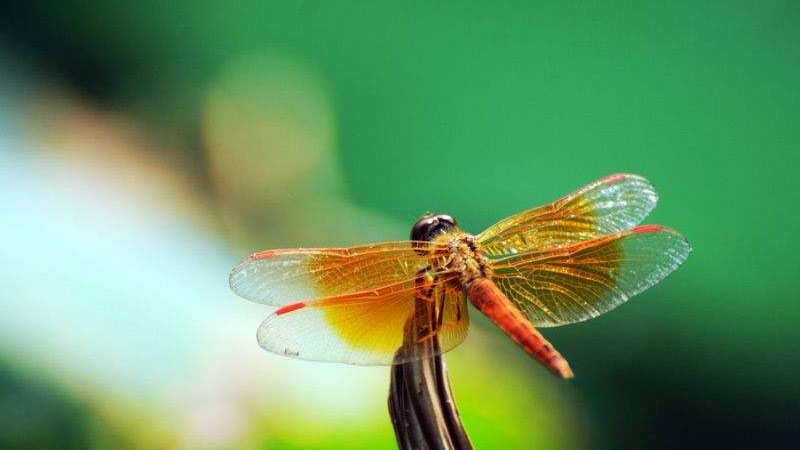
pixel 432 225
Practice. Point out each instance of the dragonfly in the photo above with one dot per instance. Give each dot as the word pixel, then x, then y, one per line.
pixel 566 262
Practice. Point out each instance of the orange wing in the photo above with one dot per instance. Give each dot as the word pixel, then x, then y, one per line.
pixel 614 203
pixel 346 304
pixel 365 328
pixel 281 277
pixel 570 284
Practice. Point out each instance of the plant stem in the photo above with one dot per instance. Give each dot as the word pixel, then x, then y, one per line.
pixel 421 404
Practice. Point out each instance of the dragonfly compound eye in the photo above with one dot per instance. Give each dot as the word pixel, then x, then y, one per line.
pixel 430 226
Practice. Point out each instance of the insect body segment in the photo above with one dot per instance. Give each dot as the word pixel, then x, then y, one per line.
pixel 490 300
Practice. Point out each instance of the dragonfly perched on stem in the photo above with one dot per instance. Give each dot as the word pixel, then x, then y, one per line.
pixel 557 264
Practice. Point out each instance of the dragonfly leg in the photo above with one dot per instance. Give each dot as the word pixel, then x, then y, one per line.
pixel 439 307
pixel 428 336
pixel 425 285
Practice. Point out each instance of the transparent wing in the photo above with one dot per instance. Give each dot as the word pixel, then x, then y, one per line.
pixel 281 277
pixel 613 204
pixel 365 328
pixel 575 283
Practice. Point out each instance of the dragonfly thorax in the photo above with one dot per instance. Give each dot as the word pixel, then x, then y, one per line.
pixel 464 257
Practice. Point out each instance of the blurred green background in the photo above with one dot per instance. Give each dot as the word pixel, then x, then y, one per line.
pixel 146 147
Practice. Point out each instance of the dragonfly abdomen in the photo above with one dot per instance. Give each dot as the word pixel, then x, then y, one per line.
pixel 490 300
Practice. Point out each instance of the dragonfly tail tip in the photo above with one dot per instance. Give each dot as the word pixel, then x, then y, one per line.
pixel 561 368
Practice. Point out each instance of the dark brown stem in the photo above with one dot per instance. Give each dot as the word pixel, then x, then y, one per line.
pixel 421 404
